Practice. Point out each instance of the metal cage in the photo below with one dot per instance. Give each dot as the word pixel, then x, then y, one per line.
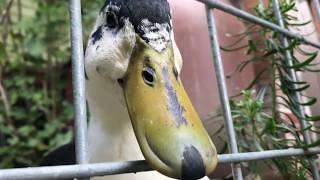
pixel 85 170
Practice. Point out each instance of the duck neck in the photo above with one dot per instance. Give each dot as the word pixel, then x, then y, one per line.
pixel 110 131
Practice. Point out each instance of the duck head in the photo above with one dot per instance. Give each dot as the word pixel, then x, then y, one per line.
pixel 132 44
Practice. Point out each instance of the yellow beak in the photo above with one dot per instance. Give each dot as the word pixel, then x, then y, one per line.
pixel 168 129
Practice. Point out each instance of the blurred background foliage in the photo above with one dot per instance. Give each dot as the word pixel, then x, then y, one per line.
pixel 36 113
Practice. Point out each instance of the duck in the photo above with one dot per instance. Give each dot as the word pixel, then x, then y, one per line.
pixel 138 107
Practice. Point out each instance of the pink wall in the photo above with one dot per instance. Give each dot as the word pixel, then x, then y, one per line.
pixel 191 33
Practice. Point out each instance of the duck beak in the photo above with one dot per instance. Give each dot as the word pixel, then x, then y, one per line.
pixel 167 127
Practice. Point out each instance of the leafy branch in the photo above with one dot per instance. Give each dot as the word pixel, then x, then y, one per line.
pixel 264 122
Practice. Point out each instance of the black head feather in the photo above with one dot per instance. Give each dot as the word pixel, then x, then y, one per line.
pixel 155 11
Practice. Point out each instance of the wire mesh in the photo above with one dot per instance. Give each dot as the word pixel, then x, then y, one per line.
pixel 84 170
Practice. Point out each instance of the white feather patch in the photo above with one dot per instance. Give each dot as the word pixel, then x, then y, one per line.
pixel 157 34
pixel 110 55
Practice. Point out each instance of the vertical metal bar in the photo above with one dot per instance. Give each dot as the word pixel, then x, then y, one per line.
pixel 317 8
pixel 293 75
pixel 236 168
pixel 78 82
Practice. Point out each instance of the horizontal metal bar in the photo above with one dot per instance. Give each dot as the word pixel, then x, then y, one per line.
pixel 251 18
pixel 254 156
pixel 101 169
pixel 73 171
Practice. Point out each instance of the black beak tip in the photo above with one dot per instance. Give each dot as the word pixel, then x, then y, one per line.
pixel 120 82
pixel 192 164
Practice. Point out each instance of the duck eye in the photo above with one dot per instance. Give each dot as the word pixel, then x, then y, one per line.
pixel 111 20
pixel 148 76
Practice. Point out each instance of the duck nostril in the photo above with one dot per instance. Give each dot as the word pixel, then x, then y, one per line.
pixel 192 164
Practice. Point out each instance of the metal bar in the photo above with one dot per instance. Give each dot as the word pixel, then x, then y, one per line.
pixel 269 154
pixel 78 82
pixel 102 169
pixel 223 92
pixel 317 8
pixel 251 18
pixel 294 77
pixel 73 171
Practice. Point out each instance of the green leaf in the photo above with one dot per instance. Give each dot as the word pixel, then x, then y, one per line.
pixel 314 144
pixel 287 8
pixel 311 101
pixel 252 45
pixel 260 10
pixel 299 89
pixel 243 65
pixel 304 63
pixel 300 24
pixel 312 118
pixel 233 48
pixel 13 141
pixel 26 130
pixel 33 143
pixel 36 48
pixel 256 79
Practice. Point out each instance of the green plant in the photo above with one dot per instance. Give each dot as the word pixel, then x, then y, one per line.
pixel 256 131
pixel 261 128
pixel 36 113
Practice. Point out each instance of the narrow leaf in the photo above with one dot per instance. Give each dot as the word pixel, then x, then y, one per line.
pixel 303 64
